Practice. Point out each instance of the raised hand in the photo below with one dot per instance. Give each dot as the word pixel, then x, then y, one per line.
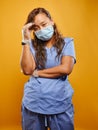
pixel 26 31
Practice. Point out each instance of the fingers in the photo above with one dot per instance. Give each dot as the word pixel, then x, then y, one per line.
pixel 27 26
pixel 26 31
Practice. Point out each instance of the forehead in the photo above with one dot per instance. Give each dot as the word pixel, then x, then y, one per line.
pixel 41 18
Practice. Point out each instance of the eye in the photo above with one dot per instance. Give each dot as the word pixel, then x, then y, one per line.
pixel 36 28
pixel 44 24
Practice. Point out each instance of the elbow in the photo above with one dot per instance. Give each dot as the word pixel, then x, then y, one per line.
pixel 66 71
pixel 27 71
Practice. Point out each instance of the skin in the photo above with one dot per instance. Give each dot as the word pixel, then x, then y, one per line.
pixel 27 60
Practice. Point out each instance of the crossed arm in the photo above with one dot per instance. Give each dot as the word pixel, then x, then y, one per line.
pixel 28 65
pixel 65 68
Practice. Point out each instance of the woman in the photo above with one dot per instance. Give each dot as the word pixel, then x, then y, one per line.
pixel 48 59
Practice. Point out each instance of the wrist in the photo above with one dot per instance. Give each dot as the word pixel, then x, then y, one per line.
pixel 35 73
pixel 24 42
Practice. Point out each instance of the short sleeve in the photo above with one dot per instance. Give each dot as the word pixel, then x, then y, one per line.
pixel 69 49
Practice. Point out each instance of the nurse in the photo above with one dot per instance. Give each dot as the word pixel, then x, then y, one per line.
pixel 48 59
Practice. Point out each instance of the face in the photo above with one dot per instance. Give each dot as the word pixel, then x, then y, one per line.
pixel 41 21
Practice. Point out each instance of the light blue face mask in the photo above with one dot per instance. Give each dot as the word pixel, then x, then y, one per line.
pixel 45 34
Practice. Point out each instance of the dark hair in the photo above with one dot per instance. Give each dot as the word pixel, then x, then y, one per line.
pixel 39 45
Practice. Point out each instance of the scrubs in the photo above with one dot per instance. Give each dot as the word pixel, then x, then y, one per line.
pixel 51 98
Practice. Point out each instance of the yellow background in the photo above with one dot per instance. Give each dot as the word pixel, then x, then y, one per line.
pixel 75 18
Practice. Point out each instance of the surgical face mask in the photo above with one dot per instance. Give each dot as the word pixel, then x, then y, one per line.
pixel 45 34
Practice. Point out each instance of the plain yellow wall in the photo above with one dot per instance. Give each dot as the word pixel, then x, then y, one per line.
pixel 75 18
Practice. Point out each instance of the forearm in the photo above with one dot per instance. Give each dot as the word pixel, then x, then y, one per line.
pixel 65 68
pixel 47 75
pixel 27 61
pixel 53 72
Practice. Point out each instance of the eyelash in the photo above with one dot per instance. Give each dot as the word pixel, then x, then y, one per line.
pixel 44 24
pixel 36 28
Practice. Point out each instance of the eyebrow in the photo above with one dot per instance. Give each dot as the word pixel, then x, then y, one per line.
pixel 40 23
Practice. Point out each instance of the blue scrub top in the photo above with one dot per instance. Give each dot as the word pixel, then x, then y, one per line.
pixel 47 95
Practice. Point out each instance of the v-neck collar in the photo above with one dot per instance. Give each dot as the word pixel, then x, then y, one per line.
pixel 49 48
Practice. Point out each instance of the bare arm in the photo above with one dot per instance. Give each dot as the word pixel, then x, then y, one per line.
pixel 27 60
pixel 65 68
